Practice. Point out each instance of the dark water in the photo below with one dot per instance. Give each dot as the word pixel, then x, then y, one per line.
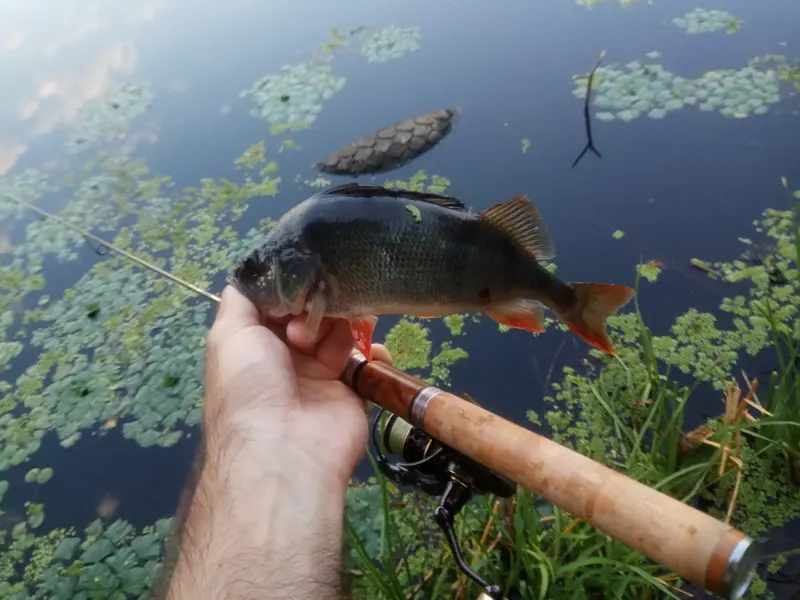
pixel 685 186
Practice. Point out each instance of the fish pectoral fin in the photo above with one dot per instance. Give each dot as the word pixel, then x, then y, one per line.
pixel 595 302
pixel 363 329
pixel 519 219
pixel 316 306
pixel 520 314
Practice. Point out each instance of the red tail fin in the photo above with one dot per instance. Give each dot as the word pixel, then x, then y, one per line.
pixel 362 330
pixel 595 302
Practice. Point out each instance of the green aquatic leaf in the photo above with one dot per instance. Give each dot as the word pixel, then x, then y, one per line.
pixel 35 514
pixel 146 546
pixel 409 344
pixel 308 86
pixel 649 271
pixel 92 310
pixel 163 528
pixel 98 580
pixel 526 143
pixel 94 529
pixel 118 531
pixel 455 323
pixel 66 548
pixel 415 212
pixel 32 475
pixel 134 581
pixel 618 234
pixel 391 43
pixel 444 360
pixel 253 156
pixel 44 475
pixel 97 551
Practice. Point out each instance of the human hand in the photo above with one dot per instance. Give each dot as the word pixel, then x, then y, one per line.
pixel 283 404
pixel 281 437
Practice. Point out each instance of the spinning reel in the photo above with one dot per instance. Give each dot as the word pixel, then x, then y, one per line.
pixel 438 470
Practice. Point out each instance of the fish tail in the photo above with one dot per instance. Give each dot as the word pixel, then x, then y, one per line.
pixel 594 303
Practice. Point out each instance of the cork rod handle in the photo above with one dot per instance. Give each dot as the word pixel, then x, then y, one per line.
pixel 693 544
pixel 696 546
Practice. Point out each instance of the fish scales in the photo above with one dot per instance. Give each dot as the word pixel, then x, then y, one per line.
pixel 379 254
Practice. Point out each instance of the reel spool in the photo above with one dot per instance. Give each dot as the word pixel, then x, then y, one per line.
pixel 437 470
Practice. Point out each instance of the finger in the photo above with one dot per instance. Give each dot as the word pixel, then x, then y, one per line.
pixel 381 353
pixel 235 313
pixel 298 334
pixel 334 349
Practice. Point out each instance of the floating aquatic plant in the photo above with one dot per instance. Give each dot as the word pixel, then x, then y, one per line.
pixel 391 43
pixel 650 270
pixel 40 476
pixel 319 182
pixel 308 86
pixel 110 116
pixel 780 67
pixel 28 186
pixel 644 88
pixel 109 344
pixel 701 20
pixel 113 561
pixel 419 183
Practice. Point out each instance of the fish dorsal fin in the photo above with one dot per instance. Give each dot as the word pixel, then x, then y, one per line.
pixel 520 220
pixel 367 191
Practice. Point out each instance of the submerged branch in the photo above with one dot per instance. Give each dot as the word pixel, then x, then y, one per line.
pixel 587 119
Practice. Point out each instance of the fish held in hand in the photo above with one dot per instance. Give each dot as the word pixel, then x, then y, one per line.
pixel 356 251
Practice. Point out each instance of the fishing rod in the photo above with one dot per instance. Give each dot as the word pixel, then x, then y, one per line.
pixel 454 449
pixel 485 453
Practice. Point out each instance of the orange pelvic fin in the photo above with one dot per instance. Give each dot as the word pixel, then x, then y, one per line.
pixel 362 334
pixel 595 302
pixel 522 314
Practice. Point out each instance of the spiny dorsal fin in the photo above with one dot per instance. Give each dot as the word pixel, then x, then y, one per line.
pixel 519 219
pixel 367 191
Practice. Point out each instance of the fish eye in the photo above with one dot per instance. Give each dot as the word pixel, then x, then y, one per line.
pixel 250 268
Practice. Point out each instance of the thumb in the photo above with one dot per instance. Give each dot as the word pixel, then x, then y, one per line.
pixel 235 313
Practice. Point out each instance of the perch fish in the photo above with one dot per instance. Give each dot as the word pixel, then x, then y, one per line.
pixel 357 251
pixel 392 146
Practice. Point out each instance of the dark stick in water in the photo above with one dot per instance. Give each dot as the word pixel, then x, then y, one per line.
pixel 586 117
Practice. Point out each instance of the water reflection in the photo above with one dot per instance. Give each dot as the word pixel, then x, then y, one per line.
pixel 62 57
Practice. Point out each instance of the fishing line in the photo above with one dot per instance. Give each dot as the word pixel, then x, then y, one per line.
pixel 124 253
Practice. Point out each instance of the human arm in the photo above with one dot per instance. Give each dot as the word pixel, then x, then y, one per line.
pixel 281 437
